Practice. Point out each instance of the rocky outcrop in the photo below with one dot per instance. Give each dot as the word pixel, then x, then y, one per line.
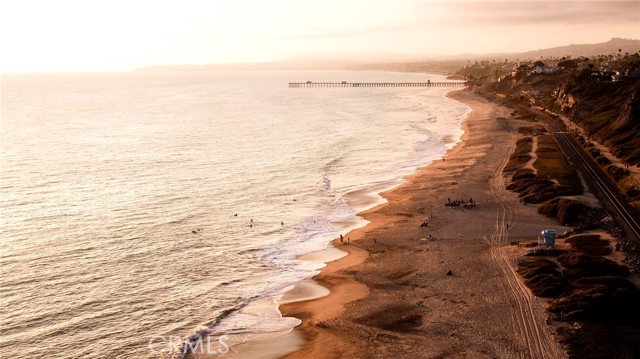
pixel 609 112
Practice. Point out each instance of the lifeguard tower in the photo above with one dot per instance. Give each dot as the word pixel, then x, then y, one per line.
pixel 547 238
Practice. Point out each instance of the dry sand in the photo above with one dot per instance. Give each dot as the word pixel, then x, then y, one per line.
pixel 392 296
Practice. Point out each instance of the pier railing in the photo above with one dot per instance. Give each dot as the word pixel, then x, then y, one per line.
pixel 380 84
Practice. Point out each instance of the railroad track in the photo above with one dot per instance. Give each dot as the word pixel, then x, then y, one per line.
pixel 603 183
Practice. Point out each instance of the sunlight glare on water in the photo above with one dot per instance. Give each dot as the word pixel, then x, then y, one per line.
pixel 136 205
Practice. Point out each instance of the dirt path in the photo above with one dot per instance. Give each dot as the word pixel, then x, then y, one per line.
pixel 526 321
pixel 454 296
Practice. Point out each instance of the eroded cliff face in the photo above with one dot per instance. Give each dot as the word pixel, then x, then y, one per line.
pixel 608 111
pixel 566 101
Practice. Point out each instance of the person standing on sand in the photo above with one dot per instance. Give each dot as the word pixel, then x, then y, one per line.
pixel 341 239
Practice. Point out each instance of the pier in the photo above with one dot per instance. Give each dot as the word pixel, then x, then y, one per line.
pixel 380 84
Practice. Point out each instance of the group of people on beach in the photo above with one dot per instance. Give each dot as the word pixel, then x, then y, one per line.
pixel 345 241
pixel 461 203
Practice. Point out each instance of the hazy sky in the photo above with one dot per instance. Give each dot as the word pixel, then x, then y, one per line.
pixel 81 35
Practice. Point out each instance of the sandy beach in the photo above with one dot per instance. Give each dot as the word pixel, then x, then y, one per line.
pixel 426 280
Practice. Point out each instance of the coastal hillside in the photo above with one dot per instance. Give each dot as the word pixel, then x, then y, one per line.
pixel 586 50
pixel 597 100
pixel 608 111
pixel 463 63
pixel 598 97
pixel 432 63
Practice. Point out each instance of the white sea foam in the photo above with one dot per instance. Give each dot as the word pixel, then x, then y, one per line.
pixel 139 205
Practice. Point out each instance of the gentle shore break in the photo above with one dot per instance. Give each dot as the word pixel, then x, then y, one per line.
pixel 424 279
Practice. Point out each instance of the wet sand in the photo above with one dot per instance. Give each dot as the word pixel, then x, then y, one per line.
pixel 399 294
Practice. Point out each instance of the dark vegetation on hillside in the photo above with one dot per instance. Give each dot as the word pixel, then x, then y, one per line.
pixel 602 96
pixel 586 289
pixel 605 108
pixel 552 177
pixel 573 213
pixel 520 155
pixel 608 111
pixel 589 289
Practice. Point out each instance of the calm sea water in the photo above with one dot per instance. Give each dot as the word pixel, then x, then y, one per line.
pixel 137 205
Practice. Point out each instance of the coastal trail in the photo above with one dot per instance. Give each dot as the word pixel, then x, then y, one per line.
pixel 526 319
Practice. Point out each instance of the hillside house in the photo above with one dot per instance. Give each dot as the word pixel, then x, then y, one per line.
pixel 544 70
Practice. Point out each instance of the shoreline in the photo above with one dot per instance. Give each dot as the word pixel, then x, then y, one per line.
pixel 379 291
pixel 362 200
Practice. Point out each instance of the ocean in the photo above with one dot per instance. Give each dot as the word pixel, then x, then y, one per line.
pixel 140 206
